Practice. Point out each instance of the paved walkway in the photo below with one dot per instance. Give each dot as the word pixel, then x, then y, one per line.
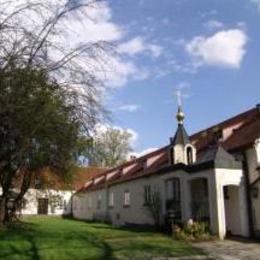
pixel 231 249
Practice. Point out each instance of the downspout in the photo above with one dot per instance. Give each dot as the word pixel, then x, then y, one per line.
pixel 248 196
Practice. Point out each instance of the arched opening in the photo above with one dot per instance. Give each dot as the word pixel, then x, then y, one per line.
pixel 173 199
pixel 189 154
pixel 199 199
pixel 232 216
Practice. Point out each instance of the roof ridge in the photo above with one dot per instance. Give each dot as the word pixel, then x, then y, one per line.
pixel 243 114
pixel 136 159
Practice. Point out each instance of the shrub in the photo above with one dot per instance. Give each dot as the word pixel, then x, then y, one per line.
pixel 196 231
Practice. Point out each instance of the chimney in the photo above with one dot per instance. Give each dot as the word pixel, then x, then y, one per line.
pixel 132 157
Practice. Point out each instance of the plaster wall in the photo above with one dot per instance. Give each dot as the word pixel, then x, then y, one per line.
pixel 32 196
pixel 136 213
pixel 253 159
pixel 231 177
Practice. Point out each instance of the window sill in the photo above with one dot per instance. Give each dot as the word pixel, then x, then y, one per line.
pixel 126 206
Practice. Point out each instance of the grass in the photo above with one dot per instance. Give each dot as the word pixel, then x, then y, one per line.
pixel 55 238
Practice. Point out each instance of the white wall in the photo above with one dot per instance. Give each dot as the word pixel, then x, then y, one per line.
pixel 253 159
pixel 136 213
pixel 233 219
pixel 32 196
pixel 226 177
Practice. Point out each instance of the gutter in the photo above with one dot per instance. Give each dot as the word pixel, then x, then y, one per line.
pixel 248 196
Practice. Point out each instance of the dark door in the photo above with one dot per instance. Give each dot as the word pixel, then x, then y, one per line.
pixel 42 206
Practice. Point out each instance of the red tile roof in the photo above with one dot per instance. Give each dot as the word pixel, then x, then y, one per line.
pixel 238 132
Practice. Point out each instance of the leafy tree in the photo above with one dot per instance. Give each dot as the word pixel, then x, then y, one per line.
pixel 110 147
pixel 50 99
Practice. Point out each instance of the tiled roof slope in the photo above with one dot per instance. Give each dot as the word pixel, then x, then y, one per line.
pixel 230 128
pixel 237 132
pixel 47 179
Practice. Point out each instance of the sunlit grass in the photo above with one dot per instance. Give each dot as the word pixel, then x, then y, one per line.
pixel 56 238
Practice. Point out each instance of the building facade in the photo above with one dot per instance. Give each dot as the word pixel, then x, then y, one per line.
pixel 211 176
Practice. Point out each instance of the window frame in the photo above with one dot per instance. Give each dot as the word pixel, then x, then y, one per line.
pixel 127 199
pixel 189 155
pixel 172 192
pixel 147 194
pixel 111 199
pixel 99 201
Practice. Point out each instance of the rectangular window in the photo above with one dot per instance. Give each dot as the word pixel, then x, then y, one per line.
pixel 89 202
pixel 173 189
pixel 111 199
pixel 176 189
pixel 127 198
pixel 99 201
pixel 147 194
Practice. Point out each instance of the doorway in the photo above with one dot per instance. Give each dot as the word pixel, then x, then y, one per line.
pixel 232 210
pixel 43 206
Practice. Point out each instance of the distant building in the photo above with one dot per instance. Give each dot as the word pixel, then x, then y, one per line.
pixel 213 175
pixel 49 195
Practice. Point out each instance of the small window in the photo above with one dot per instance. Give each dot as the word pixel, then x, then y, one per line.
pixel 89 202
pixel 111 199
pixel 147 194
pixel 127 198
pixel 176 189
pixel 99 201
pixel 173 191
pixel 218 134
pixel 189 155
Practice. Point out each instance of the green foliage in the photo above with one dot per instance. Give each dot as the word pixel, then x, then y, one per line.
pixel 110 147
pixel 39 127
pixel 56 238
pixel 196 231
pixel 50 97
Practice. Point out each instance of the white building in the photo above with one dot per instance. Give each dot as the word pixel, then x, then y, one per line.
pixel 210 176
pixel 49 195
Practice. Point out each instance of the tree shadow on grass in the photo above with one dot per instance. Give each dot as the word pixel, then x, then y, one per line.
pixel 29 241
pixel 49 238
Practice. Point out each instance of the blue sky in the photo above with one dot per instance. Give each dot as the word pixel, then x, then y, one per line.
pixel 210 49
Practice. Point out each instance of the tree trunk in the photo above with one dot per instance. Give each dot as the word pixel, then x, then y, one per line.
pixel 2 210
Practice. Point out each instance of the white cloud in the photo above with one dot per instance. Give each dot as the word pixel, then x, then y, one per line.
pixel 138 45
pixel 118 72
pixel 93 23
pixel 257 3
pixel 144 152
pixel 213 24
pixel 225 48
pixel 129 108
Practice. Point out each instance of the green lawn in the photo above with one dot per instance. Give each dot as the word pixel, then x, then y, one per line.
pixel 56 238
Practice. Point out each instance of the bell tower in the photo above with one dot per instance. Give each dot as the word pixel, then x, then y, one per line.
pixel 181 149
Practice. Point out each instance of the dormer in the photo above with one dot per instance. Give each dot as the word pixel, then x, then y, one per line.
pixel 181 149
